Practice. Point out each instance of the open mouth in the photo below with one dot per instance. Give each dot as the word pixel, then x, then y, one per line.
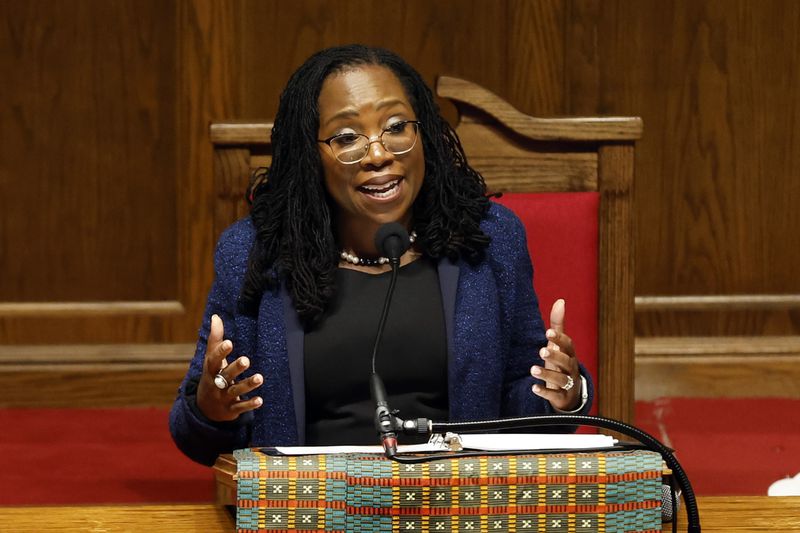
pixel 382 191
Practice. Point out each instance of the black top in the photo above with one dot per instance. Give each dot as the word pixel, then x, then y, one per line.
pixel 411 360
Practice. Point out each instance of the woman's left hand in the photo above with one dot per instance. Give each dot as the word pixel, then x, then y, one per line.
pixel 560 365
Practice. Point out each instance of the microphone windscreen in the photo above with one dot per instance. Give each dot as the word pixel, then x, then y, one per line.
pixel 669 508
pixel 392 240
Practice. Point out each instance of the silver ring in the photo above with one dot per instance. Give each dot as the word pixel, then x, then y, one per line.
pixel 220 381
pixel 568 386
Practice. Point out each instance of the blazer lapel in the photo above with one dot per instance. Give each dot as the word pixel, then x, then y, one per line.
pixel 294 346
pixel 448 284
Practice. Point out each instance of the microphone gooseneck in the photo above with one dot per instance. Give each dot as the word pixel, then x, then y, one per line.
pixel 392 241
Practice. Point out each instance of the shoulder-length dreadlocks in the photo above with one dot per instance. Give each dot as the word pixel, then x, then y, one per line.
pixel 293 214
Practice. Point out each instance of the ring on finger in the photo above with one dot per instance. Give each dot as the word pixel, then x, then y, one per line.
pixel 220 381
pixel 569 384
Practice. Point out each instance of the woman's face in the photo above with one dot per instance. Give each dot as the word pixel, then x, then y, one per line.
pixel 381 187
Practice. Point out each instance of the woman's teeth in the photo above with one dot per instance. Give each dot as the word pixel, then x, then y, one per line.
pixel 381 191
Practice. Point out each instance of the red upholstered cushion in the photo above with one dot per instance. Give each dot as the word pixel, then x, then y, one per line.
pixel 562 241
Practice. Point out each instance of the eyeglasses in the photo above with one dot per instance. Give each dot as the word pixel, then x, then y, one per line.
pixel 350 148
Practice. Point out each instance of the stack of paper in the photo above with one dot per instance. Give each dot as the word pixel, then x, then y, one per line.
pixel 489 442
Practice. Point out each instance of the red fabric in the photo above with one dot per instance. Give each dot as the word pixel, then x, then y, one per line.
pixel 562 241
pixel 76 456
pixel 728 446
pixel 66 456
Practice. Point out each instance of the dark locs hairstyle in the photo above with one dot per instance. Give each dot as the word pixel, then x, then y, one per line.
pixel 293 214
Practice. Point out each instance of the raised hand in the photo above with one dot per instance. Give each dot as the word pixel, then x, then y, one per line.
pixel 224 404
pixel 561 372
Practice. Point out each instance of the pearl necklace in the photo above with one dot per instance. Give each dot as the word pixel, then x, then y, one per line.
pixel 364 261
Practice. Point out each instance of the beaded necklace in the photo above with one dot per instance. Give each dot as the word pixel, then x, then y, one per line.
pixel 367 261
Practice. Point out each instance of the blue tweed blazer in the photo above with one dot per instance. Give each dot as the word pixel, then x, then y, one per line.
pixel 494 333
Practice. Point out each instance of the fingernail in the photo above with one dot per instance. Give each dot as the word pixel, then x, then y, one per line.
pixel 544 352
pixel 536 370
pixel 537 388
pixel 257 379
pixel 244 361
pixel 257 401
pixel 226 345
pixel 551 334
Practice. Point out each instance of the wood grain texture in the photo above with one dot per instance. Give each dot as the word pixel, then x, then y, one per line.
pixel 94 354
pixel 616 387
pixel 113 375
pixel 722 321
pixel 540 129
pixel 239 132
pixel 175 518
pixel 719 514
pixel 712 367
pixel 72 309
pixel 710 377
pixel 715 195
pixel 499 156
pixel 717 346
pixel 465 37
pixel 92 157
pixel 102 386
pixel 232 173
pixel 535 56
pixel 209 69
pixel 88 145
pixel 688 315
pixel 747 514
pixel 225 479
pixel 728 302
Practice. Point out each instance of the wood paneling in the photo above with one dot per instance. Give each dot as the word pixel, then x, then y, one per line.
pixel 209 70
pixel 88 147
pixel 710 367
pixel 616 262
pixel 87 172
pixel 118 375
pixel 716 86
pixel 150 518
pixel 106 170
pixel 535 50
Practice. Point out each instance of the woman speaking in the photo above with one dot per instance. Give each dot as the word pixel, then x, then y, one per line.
pixel 284 351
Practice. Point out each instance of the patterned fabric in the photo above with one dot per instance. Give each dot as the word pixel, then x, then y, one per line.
pixel 569 493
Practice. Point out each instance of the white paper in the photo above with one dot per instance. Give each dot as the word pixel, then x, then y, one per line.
pixel 473 441
pixel 537 441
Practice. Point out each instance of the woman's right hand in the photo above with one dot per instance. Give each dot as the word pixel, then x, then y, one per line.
pixel 223 405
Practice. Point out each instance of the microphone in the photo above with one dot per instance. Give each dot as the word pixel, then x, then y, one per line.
pixel 392 241
pixel 669 506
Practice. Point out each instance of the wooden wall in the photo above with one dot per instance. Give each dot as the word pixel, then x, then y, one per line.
pixel 106 168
